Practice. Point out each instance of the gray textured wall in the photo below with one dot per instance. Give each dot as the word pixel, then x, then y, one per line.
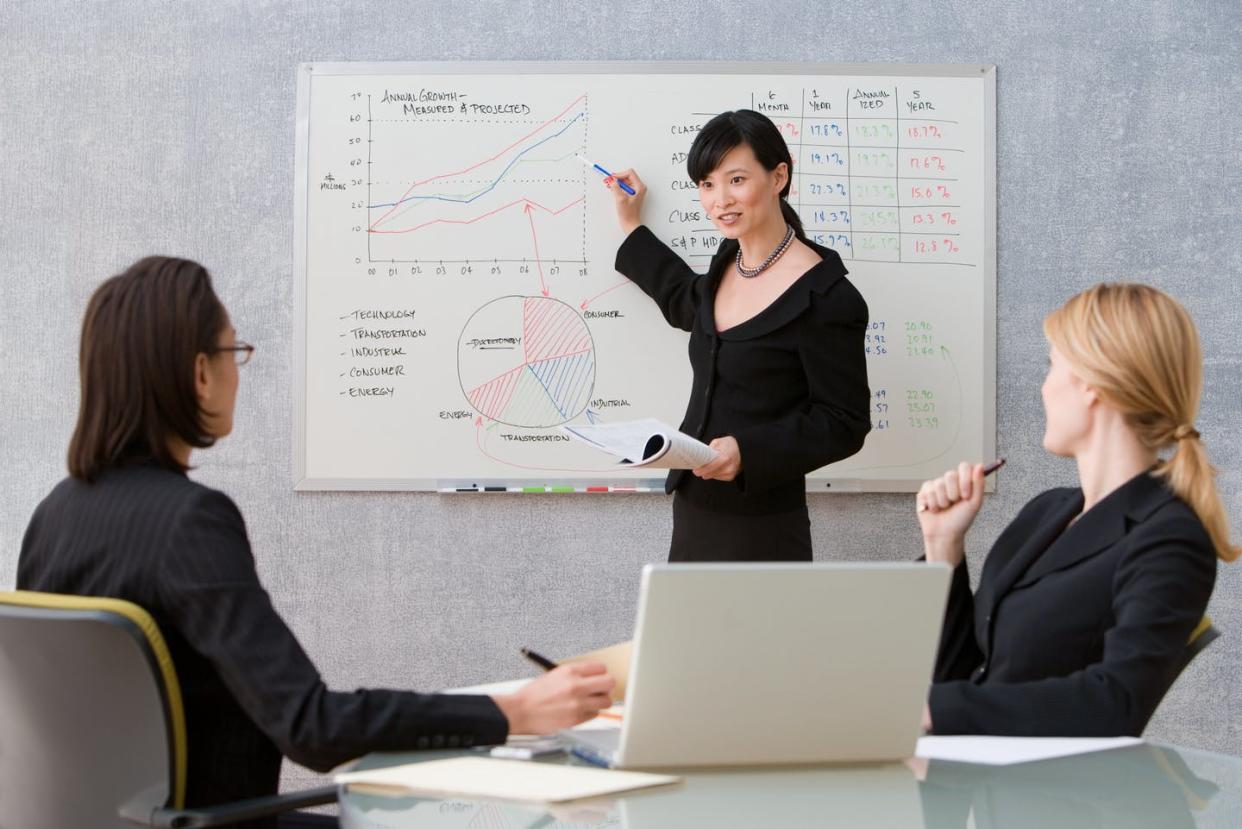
pixel 129 128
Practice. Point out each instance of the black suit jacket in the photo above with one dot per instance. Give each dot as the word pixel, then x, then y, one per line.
pixel 789 384
pixel 179 550
pixel 1075 630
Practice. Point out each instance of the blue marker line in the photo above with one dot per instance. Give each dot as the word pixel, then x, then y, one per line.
pixel 555 403
pixel 493 185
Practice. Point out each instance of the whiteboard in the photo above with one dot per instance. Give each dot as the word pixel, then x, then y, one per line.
pixel 456 301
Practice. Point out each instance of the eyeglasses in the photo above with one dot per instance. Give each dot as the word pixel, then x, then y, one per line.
pixel 241 352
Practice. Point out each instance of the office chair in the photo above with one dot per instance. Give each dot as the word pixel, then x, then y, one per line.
pixel 1204 634
pixel 92 730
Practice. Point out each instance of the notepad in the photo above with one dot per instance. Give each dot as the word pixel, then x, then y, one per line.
pixel 648 442
pixel 486 778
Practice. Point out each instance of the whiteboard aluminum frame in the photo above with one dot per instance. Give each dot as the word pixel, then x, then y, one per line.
pixel 306 73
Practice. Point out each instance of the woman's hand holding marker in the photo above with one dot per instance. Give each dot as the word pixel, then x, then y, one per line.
pixel 629 208
pixel 597 168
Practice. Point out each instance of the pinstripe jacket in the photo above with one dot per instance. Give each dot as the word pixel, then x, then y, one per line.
pixel 179 549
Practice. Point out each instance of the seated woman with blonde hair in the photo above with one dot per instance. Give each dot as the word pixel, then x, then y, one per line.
pixel 1087 600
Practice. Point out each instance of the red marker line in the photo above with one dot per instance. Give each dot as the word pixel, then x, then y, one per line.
pixel 543 287
pixel 531 134
pixel 484 216
pixel 587 302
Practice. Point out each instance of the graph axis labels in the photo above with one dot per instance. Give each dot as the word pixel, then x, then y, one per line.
pixel 526 362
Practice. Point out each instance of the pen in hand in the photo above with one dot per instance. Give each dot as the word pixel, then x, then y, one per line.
pixel 993 466
pixel 987 470
pixel 539 659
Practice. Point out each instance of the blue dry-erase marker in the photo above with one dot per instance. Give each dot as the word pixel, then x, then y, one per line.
pixel 588 162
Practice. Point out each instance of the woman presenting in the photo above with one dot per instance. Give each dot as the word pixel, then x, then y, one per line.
pixel 776 348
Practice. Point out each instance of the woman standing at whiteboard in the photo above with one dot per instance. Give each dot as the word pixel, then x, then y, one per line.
pixel 776 347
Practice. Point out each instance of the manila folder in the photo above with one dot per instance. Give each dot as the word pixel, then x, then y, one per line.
pixel 616 659
pixel 487 778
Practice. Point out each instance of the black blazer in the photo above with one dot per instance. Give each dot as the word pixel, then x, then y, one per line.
pixel 1075 631
pixel 179 550
pixel 789 384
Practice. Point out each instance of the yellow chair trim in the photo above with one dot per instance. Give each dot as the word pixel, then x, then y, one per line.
pixel 144 622
pixel 1204 624
pixel 1193 800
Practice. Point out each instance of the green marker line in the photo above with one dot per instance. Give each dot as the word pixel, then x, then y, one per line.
pixel 520 162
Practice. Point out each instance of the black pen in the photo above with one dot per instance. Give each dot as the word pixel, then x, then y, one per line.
pixel 539 659
pixel 987 470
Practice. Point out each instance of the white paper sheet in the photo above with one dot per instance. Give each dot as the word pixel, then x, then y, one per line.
pixel 1004 751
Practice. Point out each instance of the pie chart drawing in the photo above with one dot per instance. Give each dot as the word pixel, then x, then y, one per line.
pixel 526 361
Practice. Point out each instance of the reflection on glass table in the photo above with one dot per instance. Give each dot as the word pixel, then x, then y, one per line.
pixel 1143 786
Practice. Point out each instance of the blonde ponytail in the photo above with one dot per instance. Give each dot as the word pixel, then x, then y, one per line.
pixel 1190 475
pixel 1139 348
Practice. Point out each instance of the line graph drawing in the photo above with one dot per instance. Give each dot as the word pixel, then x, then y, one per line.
pixel 526 361
pixel 438 186
pixel 522 202
pixel 467 198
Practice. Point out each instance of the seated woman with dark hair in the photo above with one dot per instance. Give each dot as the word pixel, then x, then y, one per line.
pixel 159 374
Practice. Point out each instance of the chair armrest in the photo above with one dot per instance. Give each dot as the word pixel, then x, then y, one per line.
pixel 240 810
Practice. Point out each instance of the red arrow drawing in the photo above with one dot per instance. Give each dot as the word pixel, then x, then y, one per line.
pixel 539 262
pixel 583 305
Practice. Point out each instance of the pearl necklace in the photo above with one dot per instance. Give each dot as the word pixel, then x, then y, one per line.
pixel 751 273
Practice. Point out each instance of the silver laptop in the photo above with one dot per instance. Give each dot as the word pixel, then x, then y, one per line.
pixel 754 664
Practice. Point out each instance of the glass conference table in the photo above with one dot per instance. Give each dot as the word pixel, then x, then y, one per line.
pixel 1150 785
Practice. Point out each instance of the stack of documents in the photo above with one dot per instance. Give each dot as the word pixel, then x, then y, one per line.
pixel 486 778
